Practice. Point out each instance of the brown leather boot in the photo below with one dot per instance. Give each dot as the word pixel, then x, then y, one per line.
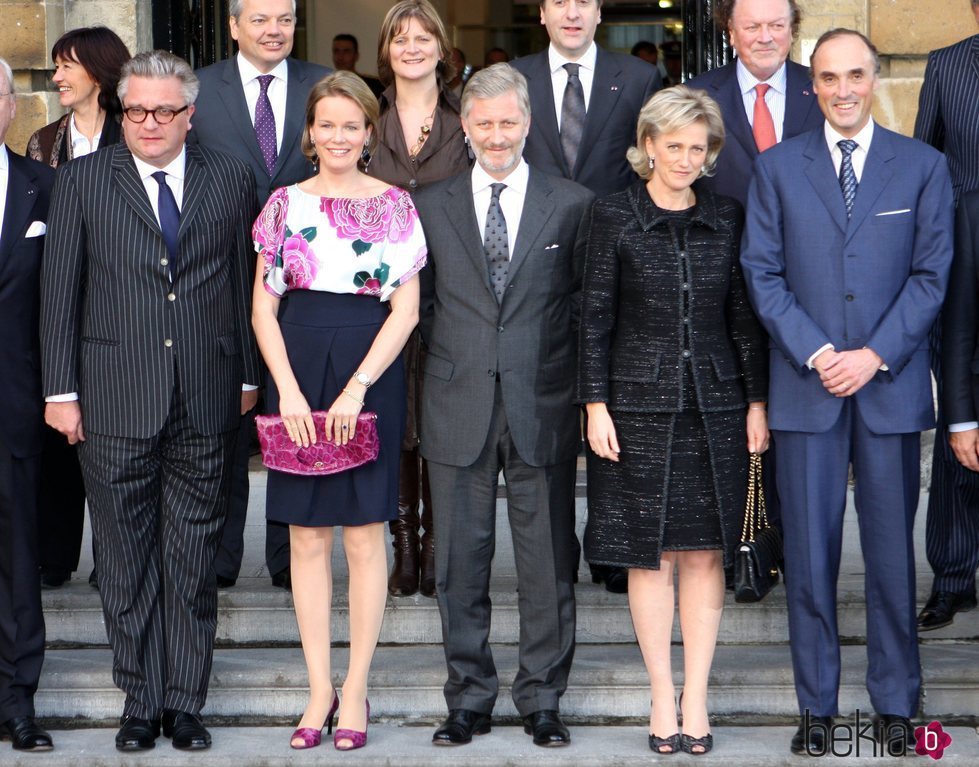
pixel 403 581
pixel 427 582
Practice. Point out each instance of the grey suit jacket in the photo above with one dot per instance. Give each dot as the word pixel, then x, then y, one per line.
pixel 115 328
pixel 622 84
pixel 948 110
pixel 530 338
pixel 221 121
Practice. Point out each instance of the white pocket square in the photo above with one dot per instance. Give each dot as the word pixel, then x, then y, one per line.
pixel 894 212
pixel 552 246
pixel 36 229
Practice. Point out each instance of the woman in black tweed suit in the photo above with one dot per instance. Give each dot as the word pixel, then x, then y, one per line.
pixel 673 374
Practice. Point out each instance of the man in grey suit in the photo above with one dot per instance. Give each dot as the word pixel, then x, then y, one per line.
pixel 252 107
pixel 948 119
pixel 147 351
pixel 499 320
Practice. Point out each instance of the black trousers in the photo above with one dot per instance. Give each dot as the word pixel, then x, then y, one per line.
pixel 61 505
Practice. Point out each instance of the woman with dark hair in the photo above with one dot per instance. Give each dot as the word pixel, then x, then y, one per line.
pixel 87 63
pixel 420 140
pixel 673 375
pixel 345 249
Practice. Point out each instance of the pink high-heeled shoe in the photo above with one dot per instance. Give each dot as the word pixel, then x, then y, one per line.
pixel 357 739
pixel 310 736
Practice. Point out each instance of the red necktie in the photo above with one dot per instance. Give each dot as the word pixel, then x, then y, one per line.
pixel 763 128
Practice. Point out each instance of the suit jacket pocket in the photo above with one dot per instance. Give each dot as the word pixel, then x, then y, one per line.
pixel 439 367
pixel 99 341
pixel 561 370
pixel 644 370
pixel 229 345
pixel 724 368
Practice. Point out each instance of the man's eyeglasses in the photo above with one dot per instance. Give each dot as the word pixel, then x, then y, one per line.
pixel 162 115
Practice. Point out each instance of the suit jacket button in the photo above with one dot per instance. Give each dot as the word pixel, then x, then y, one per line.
pixel 686 353
pixel 499 329
pixel 849 296
pixel 171 297
pixel 168 343
pixel 164 261
pixel 491 372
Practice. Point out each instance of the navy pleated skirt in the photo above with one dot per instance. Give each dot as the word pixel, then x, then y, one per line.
pixel 327 336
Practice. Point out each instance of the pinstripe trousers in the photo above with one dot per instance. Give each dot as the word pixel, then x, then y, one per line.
pixel 157 508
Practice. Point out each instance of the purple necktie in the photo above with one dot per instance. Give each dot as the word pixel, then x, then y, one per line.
pixel 265 124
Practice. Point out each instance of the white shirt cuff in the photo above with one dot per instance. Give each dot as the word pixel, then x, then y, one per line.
pixel 964 426
pixel 70 397
pixel 248 387
pixel 816 353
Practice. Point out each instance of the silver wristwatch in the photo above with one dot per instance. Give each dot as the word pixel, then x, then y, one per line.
pixel 363 379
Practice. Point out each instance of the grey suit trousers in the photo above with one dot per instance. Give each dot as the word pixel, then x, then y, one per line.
pixel 540 503
pixel 157 509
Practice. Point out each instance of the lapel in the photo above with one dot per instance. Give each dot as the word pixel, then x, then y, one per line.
pixel 875 178
pixel 196 183
pixel 233 97
pixel 544 118
pixel 975 55
pixel 296 90
pixel 460 211
pixel 606 86
pixel 21 196
pixel 727 92
pixel 537 209
pixel 130 186
pixel 799 101
pixel 823 178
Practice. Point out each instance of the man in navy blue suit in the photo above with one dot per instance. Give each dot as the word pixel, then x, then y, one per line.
pixel 25 188
pixel 761 33
pixel 846 253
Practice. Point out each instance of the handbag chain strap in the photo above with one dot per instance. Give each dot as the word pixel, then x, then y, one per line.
pixel 755 516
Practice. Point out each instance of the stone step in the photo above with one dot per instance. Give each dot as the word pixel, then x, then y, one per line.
pixel 751 684
pixel 394 746
pixel 253 613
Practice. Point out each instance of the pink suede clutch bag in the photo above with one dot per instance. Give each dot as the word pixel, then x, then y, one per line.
pixel 281 454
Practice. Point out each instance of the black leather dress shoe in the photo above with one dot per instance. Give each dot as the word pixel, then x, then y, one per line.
pixel 616 579
pixel 93 579
pixel 54 579
pixel 187 731
pixel 547 729
pixel 941 607
pixel 137 734
pixel 460 726
pixel 225 583
pixel 283 579
pixel 26 734
pixel 812 737
pixel 895 734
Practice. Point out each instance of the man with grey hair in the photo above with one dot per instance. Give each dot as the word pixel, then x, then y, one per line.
pixel 148 349
pixel 25 188
pixel 499 318
pixel 252 107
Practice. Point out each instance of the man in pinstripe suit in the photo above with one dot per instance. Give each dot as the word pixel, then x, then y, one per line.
pixel 147 352
pixel 948 119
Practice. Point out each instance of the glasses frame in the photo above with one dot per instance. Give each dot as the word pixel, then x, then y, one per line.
pixel 156 119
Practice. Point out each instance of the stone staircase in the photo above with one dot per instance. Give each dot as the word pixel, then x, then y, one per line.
pixel 259 678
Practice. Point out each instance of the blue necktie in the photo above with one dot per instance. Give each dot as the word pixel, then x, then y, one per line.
pixel 169 215
pixel 265 123
pixel 848 179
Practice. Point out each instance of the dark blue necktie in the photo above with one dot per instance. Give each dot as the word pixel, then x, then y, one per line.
pixel 848 179
pixel 169 215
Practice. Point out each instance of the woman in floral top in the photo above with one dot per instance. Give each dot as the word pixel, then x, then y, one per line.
pixel 343 251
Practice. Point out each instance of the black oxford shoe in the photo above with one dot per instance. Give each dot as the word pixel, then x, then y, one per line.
pixel 186 731
pixel 460 726
pixel 137 734
pixel 283 579
pixel 895 734
pixel 812 737
pixel 547 729
pixel 26 734
pixel 941 607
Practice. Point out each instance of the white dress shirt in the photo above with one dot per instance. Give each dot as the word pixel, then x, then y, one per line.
pixel 559 75
pixel 4 165
pixel 511 199
pixel 278 89
pixel 774 98
pixel 80 145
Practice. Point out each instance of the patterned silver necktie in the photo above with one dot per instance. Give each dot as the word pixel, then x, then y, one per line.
pixel 572 116
pixel 496 243
pixel 848 179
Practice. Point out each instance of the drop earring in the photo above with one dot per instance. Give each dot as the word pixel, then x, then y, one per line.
pixel 651 163
pixel 365 157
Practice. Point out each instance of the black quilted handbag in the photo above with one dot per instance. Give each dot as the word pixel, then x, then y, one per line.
pixel 758 557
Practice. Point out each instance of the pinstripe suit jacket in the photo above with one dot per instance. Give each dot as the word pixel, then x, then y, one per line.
pixel 115 328
pixel 948 111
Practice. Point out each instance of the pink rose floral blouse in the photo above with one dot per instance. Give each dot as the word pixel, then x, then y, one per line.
pixel 367 246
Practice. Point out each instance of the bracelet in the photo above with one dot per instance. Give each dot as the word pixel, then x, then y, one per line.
pixel 757 407
pixel 354 397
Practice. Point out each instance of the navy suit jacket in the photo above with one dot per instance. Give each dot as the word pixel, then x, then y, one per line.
pixel 221 121
pixel 28 193
pixel 737 158
pixel 621 86
pixel 876 280
pixel 948 110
